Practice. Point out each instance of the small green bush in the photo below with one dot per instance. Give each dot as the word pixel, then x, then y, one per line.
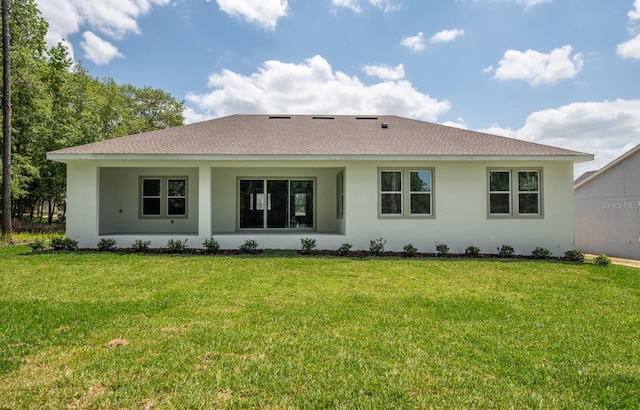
pixel 57 242
pixel 541 253
pixel 60 243
pixel 140 246
pixel 472 251
pixel 376 246
pixel 176 245
pixel 409 250
pixel 308 245
pixel 602 260
pixel 37 245
pixel 106 244
pixel 506 251
pixel 442 249
pixel 574 255
pixel 70 244
pixel 211 245
pixel 249 246
pixel 345 249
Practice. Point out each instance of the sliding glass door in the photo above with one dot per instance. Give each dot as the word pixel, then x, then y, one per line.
pixel 276 204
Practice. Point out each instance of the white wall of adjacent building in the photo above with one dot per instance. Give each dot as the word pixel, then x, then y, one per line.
pixel 608 211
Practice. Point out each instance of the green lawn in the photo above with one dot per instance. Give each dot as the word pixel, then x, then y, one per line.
pixel 297 332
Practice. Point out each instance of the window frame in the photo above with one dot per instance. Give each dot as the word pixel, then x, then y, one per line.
pixel 515 193
pixel 144 197
pixel 406 193
pixel 266 206
pixel 164 197
pixel 382 193
pixel 340 195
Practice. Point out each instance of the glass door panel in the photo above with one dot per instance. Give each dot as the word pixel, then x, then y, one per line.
pixel 252 204
pixel 301 204
pixel 277 193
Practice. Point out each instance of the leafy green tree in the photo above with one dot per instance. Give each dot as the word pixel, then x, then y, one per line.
pixel 58 104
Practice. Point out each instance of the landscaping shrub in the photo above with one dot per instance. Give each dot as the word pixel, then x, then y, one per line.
pixel 176 245
pixel 472 251
pixel 211 245
pixel 541 253
pixel 70 244
pixel 60 243
pixel 57 242
pixel 249 246
pixel 442 249
pixel 140 246
pixel 345 249
pixel 308 245
pixel 409 250
pixel 37 245
pixel 376 246
pixel 506 251
pixel 602 260
pixel 106 244
pixel 574 255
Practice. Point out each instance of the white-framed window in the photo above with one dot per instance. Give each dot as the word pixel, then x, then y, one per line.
pixel 176 196
pixel 500 192
pixel 391 192
pixel 515 192
pixel 163 197
pixel 405 192
pixel 151 197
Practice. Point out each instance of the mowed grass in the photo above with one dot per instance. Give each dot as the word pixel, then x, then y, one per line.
pixel 91 330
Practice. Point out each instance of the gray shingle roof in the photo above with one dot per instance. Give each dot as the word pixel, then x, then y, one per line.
pixel 306 135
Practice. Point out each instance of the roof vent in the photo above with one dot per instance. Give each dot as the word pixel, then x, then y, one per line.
pixel 279 117
pixel 385 125
pixel 323 117
pixel 366 118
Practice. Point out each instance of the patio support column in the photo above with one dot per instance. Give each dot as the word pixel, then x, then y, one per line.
pixel 82 203
pixel 204 201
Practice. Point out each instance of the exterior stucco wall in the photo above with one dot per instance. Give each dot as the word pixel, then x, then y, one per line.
pixel 82 203
pixel 608 211
pixel 119 204
pixel 459 205
pixel 224 193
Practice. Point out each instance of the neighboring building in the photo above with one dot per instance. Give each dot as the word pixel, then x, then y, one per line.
pixel 608 208
pixel 337 179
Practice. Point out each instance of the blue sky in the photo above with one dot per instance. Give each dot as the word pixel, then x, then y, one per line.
pixel 558 72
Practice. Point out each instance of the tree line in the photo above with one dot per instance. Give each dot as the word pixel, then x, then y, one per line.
pixel 56 104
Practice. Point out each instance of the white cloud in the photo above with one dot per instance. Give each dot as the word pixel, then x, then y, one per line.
pixel 539 68
pixel 526 3
pixel 607 129
pixel 446 36
pixel 630 49
pixel 309 88
pixel 415 43
pixel 385 72
pixel 635 13
pixel 458 123
pixel 111 18
pixel 530 3
pixel 265 13
pixel 350 4
pixel 98 50
pixel 384 5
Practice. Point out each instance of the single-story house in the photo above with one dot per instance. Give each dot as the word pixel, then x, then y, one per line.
pixel 608 208
pixel 338 179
